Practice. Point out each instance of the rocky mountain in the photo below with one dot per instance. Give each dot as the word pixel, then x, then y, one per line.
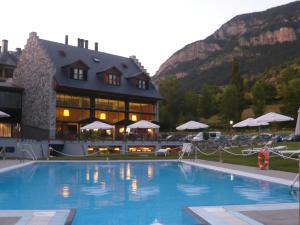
pixel 256 40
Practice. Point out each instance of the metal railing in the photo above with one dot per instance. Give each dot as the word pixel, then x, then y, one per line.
pixel 27 148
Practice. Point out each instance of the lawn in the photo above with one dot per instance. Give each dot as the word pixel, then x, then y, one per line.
pixel 276 163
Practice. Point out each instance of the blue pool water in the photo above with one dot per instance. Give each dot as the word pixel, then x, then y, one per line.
pixel 130 193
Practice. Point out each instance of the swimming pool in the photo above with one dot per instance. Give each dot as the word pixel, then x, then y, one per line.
pixel 130 193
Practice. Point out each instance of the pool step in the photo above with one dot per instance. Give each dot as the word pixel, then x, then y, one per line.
pixel 37 217
pixel 244 214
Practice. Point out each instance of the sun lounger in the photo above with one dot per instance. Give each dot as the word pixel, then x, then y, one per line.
pixel 162 151
pixel 275 149
pixel 292 152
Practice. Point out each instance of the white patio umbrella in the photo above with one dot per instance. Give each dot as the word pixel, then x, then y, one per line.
pixel 191 125
pixel 3 114
pixel 143 124
pixel 297 130
pixel 273 117
pixel 97 125
pixel 250 122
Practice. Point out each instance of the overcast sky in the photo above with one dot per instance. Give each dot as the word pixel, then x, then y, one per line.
pixel 150 29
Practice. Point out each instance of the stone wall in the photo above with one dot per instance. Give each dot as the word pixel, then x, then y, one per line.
pixel 35 73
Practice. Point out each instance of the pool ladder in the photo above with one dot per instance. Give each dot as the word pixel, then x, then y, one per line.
pixel 29 151
pixel 292 187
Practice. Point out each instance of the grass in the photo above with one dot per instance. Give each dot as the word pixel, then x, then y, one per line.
pixel 276 163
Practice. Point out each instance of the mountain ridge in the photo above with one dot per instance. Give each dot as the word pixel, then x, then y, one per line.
pixel 257 40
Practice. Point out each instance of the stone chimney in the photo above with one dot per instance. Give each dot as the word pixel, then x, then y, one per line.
pixel 18 50
pixel 96 46
pixel 4 46
pixel 86 44
pixel 66 39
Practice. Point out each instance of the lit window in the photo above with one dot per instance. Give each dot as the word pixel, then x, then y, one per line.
pixel 66 113
pixel 133 118
pixel 102 116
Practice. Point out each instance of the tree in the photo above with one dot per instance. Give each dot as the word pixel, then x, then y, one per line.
pixel 172 98
pixel 291 97
pixel 258 98
pixel 190 105
pixel 208 101
pixel 230 106
pixel 236 79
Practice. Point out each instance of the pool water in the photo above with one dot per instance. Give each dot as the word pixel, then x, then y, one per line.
pixel 130 193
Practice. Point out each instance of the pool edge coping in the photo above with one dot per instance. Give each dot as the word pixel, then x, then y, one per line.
pixel 20 165
pixel 244 174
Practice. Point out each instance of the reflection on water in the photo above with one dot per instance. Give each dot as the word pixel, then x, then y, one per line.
pixel 150 171
pixel 133 185
pixel 192 190
pixel 122 172
pixel 156 222
pixel 65 191
pixel 231 177
pixel 145 192
pixel 95 190
pixel 96 175
pixel 128 171
pixel 87 175
pixel 254 194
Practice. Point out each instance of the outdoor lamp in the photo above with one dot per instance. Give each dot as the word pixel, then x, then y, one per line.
pixel 231 122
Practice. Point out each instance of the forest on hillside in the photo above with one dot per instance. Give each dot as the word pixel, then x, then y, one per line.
pixel 217 105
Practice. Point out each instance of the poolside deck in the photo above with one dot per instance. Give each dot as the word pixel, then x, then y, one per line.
pixel 264 214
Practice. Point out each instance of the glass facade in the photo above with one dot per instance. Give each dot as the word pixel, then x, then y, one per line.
pixel 141 107
pixel 138 116
pixel 109 104
pixel 109 117
pixel 71 114
pixel 72 101
pixel 5 130
pixel 72 111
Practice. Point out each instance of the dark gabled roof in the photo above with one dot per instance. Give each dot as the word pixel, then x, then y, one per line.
pixel 104 61
pixel 9 58
pixel 109 69
pixel 77 62
pixel 138 74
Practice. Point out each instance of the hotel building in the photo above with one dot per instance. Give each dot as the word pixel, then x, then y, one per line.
pixel 65 87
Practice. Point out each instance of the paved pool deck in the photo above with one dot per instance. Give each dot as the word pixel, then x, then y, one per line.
pixel 276 176
pixel 8 163
pixel 260 214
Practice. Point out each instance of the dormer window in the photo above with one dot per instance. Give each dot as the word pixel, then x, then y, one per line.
pixel 78 74
pixel 142 84
pixel 112 79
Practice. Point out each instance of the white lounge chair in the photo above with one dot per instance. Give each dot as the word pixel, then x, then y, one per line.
pixel 162 151
pixel 292 152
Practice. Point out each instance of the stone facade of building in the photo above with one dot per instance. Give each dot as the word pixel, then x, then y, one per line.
pixel 35 73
